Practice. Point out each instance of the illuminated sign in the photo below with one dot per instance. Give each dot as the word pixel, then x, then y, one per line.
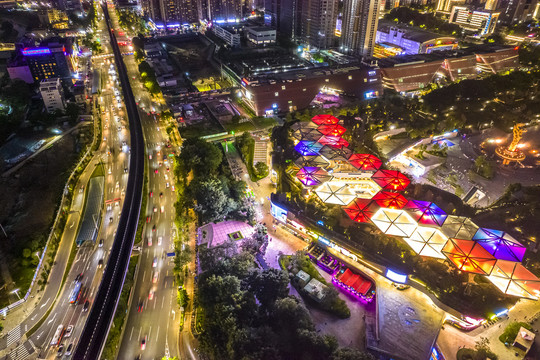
pixel 278 213
pixel 396 277
pixel 36 51
pixel 324 241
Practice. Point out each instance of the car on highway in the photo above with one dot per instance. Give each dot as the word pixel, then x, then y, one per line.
pixel 160 194
pixel 167 185
pixel 154 228
pixel 101 241
pixel 100 263
pixel 154 263
pixel 143 343
pixel 69 349
pixel 155 277
pixel 156 171
pixel 151 295
pixel 159 240
pixel 78 277
pixel 162 209
pixel 86 305
pixel 155 209
pixel 149 241
pixel 69 330
pixel 60 351
pixel 151 193
pixel 147 219
pixel 172 188
pixel 140 307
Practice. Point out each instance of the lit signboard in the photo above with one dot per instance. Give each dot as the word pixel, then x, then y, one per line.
pixel 396 277
pixel 278 213
pixel 35 51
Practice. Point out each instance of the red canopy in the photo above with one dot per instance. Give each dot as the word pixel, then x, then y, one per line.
pixel 324 119
pixel 390 200
pixel 391 179
pixel 469 256
pixel 354 281
pixel 365 162
pixel 334 141
pixel 361 210
pixel 331 129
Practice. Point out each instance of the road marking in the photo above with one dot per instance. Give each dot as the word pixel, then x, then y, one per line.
pixel 44 304
pixel 162 302
pixel 144 274
pixel 131 334
pixel 157 334
pixel 149 332
pixel 155 305
pixel 140 330
pixel 50 321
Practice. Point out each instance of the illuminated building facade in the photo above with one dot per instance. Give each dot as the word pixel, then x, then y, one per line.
pixel 517 11
pixel 51 60
pixel 359 27
pixel 295 90
pixel 445 6
pixel 318 22
pixel 481 21
pixel 225 9
pixel 53 94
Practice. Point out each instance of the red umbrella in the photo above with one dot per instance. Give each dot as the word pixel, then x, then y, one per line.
pixel 331 129
pixel 334 141
pixel 390 199
pixel 391 179
pixel 324 119
pixel 365 162
pixel 361 210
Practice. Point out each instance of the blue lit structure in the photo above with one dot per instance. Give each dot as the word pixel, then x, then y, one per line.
pixel 36 51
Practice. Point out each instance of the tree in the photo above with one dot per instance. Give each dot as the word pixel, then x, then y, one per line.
pixel 351 354
pixel 261 169
pixel 72 111
pixel 483 167
pixel 212 202
pixel 26 253
pixel 269 285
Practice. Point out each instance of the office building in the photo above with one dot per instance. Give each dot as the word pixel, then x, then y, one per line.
pixel 70 5
pixel 517 11
pixel 409 40
pixel 445 6
pixel 228 34
pixel 318 22
pixel 482 22
pixel 19 70
pixel 359 27
pixel 261 35
pixel 225 10
pixel 284 16
pixel 52 94
pixel 52 59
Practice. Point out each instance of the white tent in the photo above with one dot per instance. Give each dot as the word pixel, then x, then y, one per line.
pixel 426 241
pixel 394 222
pixel 459 227
pixel 335 193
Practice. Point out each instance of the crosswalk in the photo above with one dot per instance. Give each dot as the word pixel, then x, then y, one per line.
pixel 23 351
pixel 14 335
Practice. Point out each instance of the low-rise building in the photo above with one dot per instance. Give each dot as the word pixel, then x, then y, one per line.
pixel 229 35
pixel 482 22
pixel 21 71
pixel 315 289
pixel 53 94
pixel 261 35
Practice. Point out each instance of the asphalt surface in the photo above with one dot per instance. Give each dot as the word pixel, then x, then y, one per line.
pixel 99 320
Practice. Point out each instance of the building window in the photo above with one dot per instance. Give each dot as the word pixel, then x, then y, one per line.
pixel 350 77
pixel 276 93
pixel 365 80
pixel 304 89
pixel 327 80
pixel 282 87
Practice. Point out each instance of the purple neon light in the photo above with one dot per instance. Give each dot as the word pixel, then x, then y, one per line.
pixel 500 244
pixel 308 148
pixel 312 175
pixel 36 51
pixel 426 213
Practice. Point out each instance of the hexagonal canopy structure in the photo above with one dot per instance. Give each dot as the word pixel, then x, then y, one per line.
pixel 310 161
pixel 335 193
pixel 391 180
pixel 366 162
pixel 308 134
pixel 459 227
pixel 361 210
pixel 394 222
pixel 514 279
pixel 469 256
pixel 500 244
pixel 312 176
pixel 364 188
pixel 325 119
pixel 331 129
pixel 303 125
pixel 425 212
pixel 390 199
pixel 426 241
pixel 334 141
pixel 334 153
pixel 308 148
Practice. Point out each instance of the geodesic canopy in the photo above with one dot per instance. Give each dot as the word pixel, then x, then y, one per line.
pixel 324 119
pixel 394 222
pixel 361 210
pixel 334 153
pixel 365 162
pixel 425 212
pixel 390 199
pixel 309 134
pixel 514 279
pixel 426 241
pixel 312 176
pixel 303 125
pixel 335 193
pixel 459 227
pixel 334 141
pixel 500 244
pixel 391 179
pixel 469 256
pixel 308 148
pixel 331 129
pixel 310 161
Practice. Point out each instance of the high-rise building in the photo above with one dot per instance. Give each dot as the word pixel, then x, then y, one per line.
pixel 517 11
pixel 225 9
pixel 283 15
pixel 482 21
pixel 53 94
pixel 445 6
pixel 169 11
pixel 53 59
pixel 189 11
pixel 318 22
pixel 359 27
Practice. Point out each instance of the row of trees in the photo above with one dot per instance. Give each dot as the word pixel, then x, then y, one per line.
pixel 248 314
pixel 148 76
pixel 424 20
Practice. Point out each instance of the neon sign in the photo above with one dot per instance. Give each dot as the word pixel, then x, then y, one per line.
pixel 35 51
pixel 396 277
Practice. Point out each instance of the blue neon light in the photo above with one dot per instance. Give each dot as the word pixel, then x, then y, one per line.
pixel 36 51
pixel 324 241
pixel 396 277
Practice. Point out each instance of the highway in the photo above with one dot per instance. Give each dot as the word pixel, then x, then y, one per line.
pixel 99 320
pixel 159 315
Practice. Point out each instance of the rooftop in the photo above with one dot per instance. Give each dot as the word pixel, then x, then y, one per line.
pixel 217 234
pixel 410 32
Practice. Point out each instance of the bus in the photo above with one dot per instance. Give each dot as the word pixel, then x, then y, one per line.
pixel 75 294
pixel 58 335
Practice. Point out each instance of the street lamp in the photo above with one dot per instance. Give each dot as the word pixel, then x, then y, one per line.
pixel 16 292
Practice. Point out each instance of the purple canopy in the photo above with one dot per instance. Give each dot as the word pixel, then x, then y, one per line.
pixel 308 148
pixel 312 175
pixel 500 244
pixel 426 213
